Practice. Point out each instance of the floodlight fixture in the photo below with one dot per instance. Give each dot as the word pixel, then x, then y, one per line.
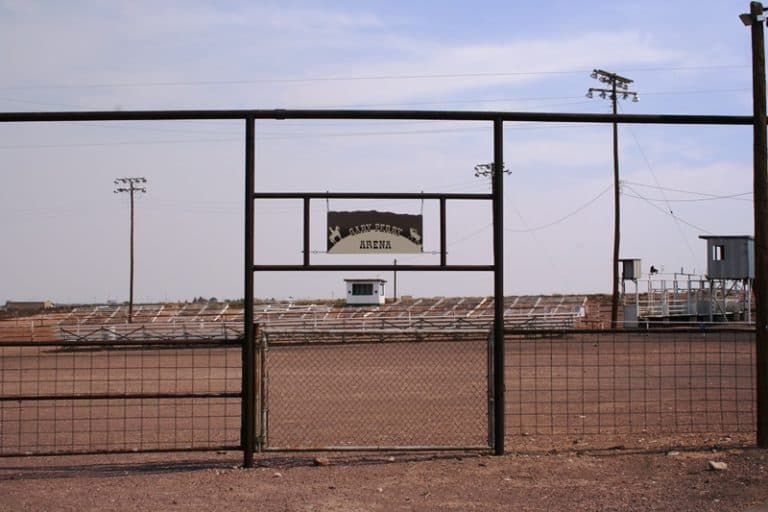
pixel 747 19
pixel 488 169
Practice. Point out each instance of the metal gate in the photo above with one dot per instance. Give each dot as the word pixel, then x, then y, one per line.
pixel 373 390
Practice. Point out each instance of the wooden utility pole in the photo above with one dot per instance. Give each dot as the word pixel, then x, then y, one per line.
pixel 616 82
pixel 131 185
pixel 755 20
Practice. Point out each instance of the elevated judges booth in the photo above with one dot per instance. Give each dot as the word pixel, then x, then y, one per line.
pixel 365 291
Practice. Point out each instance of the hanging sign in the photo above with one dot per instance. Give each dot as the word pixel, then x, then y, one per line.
pixel 372 232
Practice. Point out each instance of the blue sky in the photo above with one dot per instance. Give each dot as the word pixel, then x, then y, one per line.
pixel 65 232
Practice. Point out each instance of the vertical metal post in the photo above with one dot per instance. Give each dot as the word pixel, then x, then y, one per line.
pixel 616 212
pixel 306 232
pixel 130 292
pixel 443 244
pixel 248 419
pixel 263 380
pixel 761 224
pixel 394 278
pixel 497 187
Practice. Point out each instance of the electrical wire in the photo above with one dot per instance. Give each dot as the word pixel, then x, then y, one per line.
pixel 197 83
pixel 665 200
pixel 513 204
pixel 691 192
pixel 565 217
pixel 656 179
pixel 669 212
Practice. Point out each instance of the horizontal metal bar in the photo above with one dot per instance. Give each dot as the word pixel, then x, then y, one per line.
pixel 361 329
pixel 372 268
pixel 369 195
pixel 426 115
pixel 155 343
pixel 124 450
pixel 620 332
pixel 378 449
pixel 304 344
pixel 115 396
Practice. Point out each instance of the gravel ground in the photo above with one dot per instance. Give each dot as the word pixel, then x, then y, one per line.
pixel 607 481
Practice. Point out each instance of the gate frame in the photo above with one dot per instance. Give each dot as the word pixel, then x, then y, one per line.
pixel 497 118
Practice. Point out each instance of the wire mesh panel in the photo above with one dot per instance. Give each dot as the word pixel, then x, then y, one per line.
pixel 617 382
pixel 72 397
pixel 378 394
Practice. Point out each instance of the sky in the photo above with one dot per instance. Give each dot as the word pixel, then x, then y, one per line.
pixel 65 233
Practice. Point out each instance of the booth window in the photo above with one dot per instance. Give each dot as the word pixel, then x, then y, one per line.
pixel 362 288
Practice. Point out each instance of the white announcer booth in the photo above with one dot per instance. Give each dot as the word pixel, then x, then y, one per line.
pixel 365 291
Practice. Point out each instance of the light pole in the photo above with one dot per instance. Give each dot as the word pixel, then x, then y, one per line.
pixel 755 19
pixel 619 85
pixel 132 186
pixel 394 273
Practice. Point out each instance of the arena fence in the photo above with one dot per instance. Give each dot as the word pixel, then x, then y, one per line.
pixel 495 120
pixel 97 397
pixel 373 390
pixel 660 381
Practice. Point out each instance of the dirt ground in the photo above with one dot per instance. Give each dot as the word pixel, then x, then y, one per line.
pixel 606 481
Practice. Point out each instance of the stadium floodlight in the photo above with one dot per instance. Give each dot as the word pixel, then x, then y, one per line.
pixel 617 83
pixel 487 170
pixel 747 18
pixel 131 186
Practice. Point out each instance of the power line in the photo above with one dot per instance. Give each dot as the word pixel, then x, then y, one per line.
pixel 656 179
pixel 665 200
pixel 278 80
pixel 669 212
pixel 443 102
pixel 713 196
pixel 290 136
pixel 565 217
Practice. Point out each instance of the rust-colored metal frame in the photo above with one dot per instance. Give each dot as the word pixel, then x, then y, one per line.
pixel 497 119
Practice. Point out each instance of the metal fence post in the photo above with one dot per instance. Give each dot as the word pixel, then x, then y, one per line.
pixel 263 400
pixel 248 416
pixel 498 286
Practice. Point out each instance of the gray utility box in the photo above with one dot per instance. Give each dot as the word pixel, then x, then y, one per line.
pixel 630 269
pixel 730 257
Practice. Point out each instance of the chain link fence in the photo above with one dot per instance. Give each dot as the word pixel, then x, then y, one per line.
pixel 376 389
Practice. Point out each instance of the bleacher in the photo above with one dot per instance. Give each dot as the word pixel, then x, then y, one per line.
pixel 216 319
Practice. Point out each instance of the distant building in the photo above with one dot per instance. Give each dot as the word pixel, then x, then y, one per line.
pixel 27 307
pixel 365 291
pixel 730 257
